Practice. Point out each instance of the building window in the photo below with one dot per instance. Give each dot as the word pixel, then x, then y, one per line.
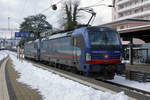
pixel 121 27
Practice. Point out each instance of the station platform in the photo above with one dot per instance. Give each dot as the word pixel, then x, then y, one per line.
pixel 138 72
pixel 11 89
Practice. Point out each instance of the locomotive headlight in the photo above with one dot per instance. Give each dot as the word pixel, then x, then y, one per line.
pixel 88 57
pixel 106 56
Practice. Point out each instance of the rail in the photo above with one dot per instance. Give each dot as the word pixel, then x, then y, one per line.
pixel 126 87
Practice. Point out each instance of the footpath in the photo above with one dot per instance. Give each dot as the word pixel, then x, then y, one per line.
pixel 10 88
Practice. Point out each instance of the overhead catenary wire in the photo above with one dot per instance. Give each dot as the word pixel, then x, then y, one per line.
pixel 45 9
pixel 97 5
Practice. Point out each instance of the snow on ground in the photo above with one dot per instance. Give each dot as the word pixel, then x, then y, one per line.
pixel 135 84
pixel 55 87
pixel 10 53
pixel 2 55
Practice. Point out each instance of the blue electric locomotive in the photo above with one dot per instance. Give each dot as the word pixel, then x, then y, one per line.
pixel 100 50
pixel 88 49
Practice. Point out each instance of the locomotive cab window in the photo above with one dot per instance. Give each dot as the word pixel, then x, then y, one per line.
pixel 78 41
pixel 105 39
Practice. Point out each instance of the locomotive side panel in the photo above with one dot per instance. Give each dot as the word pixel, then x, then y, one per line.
pixel 44 50
pixel 60 51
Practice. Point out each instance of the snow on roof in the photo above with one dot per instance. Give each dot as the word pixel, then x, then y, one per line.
pixel 36 40
pixel 29 42
pixel 44 39
pixel 57 35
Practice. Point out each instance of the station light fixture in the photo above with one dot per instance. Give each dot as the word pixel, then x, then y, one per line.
pixel 54 7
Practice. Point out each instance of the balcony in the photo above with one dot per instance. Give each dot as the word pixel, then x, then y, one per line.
pixel 134 6
pixel 135 15
pixel 122 2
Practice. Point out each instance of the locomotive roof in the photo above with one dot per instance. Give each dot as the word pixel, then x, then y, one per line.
pixel 61 34
pixel 58 35
pixel 32 41
pixel 98 27
pixel 29 42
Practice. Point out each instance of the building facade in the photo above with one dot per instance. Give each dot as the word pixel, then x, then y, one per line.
pixel 125 9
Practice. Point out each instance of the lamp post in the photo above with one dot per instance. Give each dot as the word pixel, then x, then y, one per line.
pixel 9 27
pixel 8 23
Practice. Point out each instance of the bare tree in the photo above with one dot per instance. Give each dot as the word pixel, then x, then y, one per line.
pixel 70 11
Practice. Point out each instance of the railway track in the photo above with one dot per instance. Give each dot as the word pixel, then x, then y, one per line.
pixel 130 91
pixel 127 87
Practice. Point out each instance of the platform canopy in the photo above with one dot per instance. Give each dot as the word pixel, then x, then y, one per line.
pixel 141 32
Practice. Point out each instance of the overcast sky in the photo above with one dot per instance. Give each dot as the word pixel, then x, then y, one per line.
pixel 18 9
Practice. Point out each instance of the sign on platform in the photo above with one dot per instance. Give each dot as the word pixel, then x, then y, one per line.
pixel 22 34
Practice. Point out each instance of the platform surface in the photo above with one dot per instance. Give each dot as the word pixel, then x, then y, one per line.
pixel 15 89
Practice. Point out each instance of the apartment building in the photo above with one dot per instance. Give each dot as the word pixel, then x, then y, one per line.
pixel 125 9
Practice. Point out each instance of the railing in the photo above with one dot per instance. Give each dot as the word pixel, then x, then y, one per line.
pixel 134 6
pixel 123 1
pixel 135 15
pixel 138 76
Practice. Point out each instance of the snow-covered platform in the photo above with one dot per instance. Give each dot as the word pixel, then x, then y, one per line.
pixel 29 82
pixel 3 86
pixel 10 88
